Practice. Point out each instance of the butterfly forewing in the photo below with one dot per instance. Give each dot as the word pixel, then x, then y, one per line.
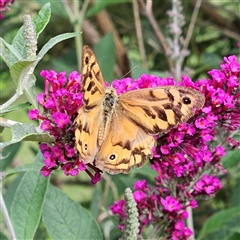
pixel 93 85
pixel 159 109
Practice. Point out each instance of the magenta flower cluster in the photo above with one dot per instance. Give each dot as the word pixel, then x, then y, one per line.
pixel 184 155
pixel 5 6
pixel 181 157
pixel 61 100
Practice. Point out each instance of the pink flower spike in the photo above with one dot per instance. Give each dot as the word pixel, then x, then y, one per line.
pixel 171 204
pixel 45 171
pixel 139 196
pixel 96 178
pixel 140 185
pixel 60 119
pixel 33 114
pixel 69 170
pixel 81 166
pixel 41 99
pixel 46 125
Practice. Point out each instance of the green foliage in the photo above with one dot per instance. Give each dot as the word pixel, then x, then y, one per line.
pixel 104 51
pixel 27 203
pixel 74 222
pixel 15 107
pixel 33 199
pixel 26 132
pixel 21 70
pixel 221 222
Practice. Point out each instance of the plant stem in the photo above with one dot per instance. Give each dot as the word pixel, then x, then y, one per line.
pixel 147 11
pixel 6 215
pixel 190 222
pixel 192 24
pixel 139 33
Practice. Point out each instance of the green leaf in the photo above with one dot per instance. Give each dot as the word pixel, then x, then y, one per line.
pixel 57 7
pixel 30 90
pixel 11 190
pixel 66 219
pixel 218 221
pixel 8 154
pixel 20 73
pixel 14 107
pixel 4 51
pixel 24 168
pixel 27 204
pixel 105 52
pixel 1 129
pixel 42 18
pixel 3 237
pixel 228 231
pixel 231 159
pixel 99 5
pixel 26 132
pixel 235 194
pixel 53 41
pixel 8 53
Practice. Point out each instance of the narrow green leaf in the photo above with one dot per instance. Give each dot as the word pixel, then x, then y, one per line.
pixel 24 168
pixel 218 221
pixel 235 194
pixel 231 159
pixel 22 75
pixel 65 219
pixel 11 190
pixel 8 154
pixel 3 237
pixel 42 18
pixel 4 52
pixel 53 41
pixel 57 7
pixel 99 5
pixel 27 204
pixel 8 53
pixel 20 72
pixel 26 132
pixel 14 107
pixel 29 88
pixel 1 129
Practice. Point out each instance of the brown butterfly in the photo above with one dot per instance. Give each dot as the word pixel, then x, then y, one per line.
pixel 118 131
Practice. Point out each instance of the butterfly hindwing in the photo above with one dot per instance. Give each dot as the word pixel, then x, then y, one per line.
pixel 87 133
pixel 125 146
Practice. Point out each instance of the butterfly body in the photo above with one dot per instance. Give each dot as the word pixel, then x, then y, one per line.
pixel 107 109
pixel 118 131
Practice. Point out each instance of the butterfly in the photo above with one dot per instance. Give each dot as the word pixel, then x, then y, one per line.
pixel 118 132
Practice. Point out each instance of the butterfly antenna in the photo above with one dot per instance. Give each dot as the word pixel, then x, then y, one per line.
pixel 129 72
